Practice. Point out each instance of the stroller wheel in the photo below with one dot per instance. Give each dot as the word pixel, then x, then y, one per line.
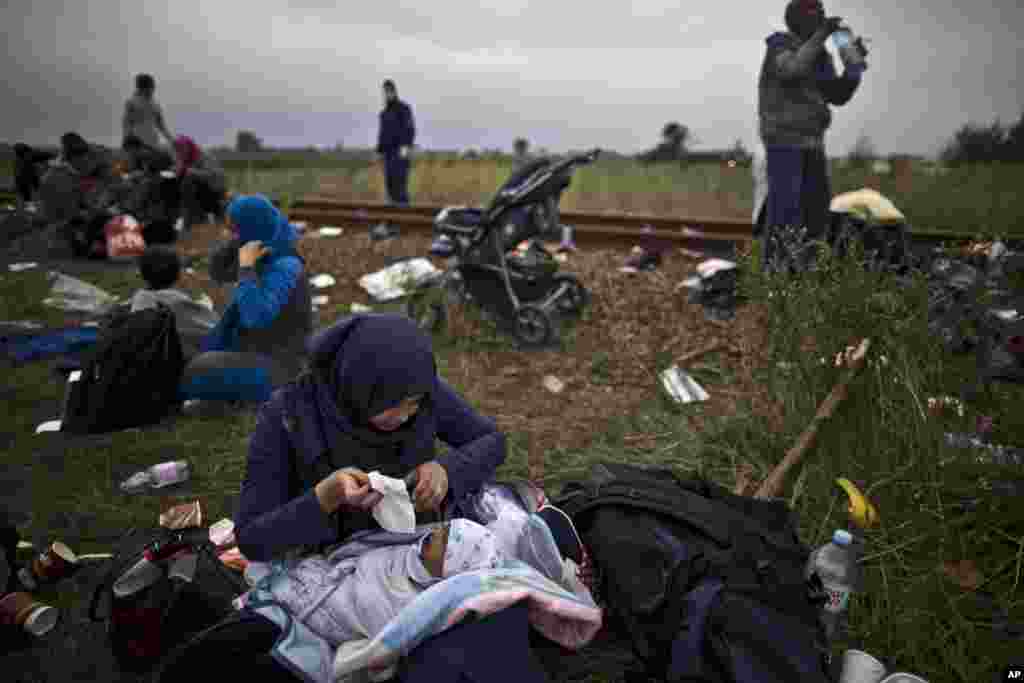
pixel 575 297
pixel 533 326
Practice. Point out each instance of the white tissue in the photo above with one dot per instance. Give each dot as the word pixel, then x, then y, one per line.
pixel 394 512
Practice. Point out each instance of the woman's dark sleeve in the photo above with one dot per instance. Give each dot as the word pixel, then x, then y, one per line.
pixel 269 521
pixel 477 447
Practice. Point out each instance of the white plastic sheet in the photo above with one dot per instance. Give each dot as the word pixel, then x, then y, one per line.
pixel 391 283
pixel 71 294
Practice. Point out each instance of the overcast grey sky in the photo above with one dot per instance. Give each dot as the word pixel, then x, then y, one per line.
pixel 571 74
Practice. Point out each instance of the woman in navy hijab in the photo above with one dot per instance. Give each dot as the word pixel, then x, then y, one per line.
pixel 370 400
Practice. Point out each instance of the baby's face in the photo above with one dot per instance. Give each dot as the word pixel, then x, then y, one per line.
pixel 432 552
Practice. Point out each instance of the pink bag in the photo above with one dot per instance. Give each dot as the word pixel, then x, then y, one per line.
pixel 124 238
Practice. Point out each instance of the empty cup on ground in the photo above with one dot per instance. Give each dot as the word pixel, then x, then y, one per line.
pixel 53 564
pixel 860 667
pixel 24 611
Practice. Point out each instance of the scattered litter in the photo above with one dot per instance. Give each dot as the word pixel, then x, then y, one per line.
pixel 49 426
pixel 1007 315
pixel 329 231
pixel 190 271
pixel 222 533
pixel 710 267
pixel 179 225
pixel 26 325
pixel 91 323
pixel 681 387
pixel 18 267
pixel 562 257
pixel 157 476
pixel 937 405
pixel 383 231
pixel 690 283
pixel 868 205
pixel 95 556
pixel 992 454
pixel 182 516
pixel 553 384
pixel 963 573
pixel 73 295
pixel 167 174
pixel 861 510
pixel 322 281
pixel 360 308
pixel 320 300
pixel 390 283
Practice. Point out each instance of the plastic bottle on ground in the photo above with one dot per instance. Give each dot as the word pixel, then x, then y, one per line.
pixel 836 564
pixel 157 476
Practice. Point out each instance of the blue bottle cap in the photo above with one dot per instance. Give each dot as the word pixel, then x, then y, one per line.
pixel 841 537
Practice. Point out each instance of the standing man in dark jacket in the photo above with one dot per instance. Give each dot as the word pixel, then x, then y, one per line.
pixel 798 82
pixel 394 143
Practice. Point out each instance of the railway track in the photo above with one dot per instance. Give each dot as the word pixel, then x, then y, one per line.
pixel 591 229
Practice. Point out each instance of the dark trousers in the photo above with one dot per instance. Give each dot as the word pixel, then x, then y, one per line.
pixel 464 654
pixel 798 191
pixel 396 176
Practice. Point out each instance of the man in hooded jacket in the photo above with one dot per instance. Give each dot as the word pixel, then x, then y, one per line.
pixel 259 342
pixel 798 83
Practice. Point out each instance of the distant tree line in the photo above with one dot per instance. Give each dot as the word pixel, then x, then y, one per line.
pixel 974 143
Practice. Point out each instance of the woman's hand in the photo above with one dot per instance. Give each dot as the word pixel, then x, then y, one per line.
pixel 432 486
pixel 347 487
pixel 252 252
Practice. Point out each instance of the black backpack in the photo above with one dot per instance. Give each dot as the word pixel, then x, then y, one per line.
pixel 709 586
pixel 130 378
pixel 142 629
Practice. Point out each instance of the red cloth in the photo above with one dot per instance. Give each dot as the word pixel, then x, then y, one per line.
pixel 188 153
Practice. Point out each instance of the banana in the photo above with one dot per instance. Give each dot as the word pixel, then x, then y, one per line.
pixel 861 510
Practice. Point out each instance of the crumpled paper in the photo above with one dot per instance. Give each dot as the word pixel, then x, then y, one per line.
pixel 395 511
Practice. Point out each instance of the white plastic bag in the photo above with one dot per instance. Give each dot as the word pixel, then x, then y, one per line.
pixel 390 283
pixel 71 294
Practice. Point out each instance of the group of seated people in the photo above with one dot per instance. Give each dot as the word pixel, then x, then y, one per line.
pixel 361 396
pixel 84 185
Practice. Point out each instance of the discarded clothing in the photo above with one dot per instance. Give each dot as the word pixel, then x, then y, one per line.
pixel 25 348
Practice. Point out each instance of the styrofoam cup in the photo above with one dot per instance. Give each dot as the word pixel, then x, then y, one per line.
pixel 860 667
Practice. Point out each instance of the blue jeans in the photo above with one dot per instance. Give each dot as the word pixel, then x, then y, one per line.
pixel 396 174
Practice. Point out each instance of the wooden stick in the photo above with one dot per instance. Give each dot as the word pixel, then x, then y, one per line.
pixel 715 345
pixel 744 480
pixel 772 486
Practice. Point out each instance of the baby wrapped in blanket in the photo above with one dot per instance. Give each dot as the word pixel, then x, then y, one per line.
pixel 356 598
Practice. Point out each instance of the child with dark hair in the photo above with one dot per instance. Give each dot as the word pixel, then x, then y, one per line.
pixel 160 268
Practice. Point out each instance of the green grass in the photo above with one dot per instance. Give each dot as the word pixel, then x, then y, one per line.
pixel 881 437
pixel 982 200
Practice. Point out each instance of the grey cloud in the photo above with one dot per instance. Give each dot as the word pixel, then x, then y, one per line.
pixel 567 74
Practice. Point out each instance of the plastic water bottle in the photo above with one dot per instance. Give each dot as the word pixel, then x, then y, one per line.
pixel 157 476
pixel 835 563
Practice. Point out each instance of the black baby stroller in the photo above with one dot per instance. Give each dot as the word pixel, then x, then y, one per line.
pixel 522 289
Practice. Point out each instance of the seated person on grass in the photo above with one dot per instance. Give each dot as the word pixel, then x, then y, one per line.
pixel 370 400
pixel 259 342
pixel 160 268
